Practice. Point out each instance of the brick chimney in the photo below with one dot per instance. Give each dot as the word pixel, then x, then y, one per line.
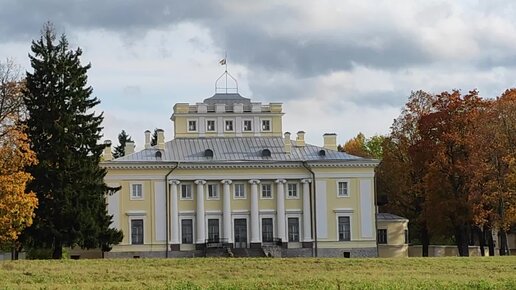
pixel 129 147
pixel 300 140
pixel 161 139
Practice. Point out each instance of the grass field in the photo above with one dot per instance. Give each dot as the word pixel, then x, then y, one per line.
pixel 263 273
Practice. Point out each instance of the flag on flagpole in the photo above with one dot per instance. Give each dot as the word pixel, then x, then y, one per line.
pixel 222 61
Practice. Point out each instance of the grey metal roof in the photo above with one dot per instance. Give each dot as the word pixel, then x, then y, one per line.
pixel 388 216
pixel 235 149
pixel 228 99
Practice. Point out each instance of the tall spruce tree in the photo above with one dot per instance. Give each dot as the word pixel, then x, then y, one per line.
pixel 64 131
pixel 119 150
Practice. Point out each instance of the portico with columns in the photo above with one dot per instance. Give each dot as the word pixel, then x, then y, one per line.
pixel 255 213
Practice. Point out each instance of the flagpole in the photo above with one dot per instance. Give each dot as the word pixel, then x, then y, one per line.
pixel 226 64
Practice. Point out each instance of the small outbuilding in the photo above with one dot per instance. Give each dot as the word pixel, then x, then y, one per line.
pixel 392 235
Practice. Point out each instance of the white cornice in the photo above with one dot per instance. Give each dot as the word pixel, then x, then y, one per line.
pixel 238 165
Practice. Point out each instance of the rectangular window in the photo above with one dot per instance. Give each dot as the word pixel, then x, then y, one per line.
pixel 292 190
pixel 137 232
pixel 213 191
pixel 210 125
pixel 192 125
pixel 344 229
pixel 213 230
pixel 266 190
pixel 343 188
pixel 186 231
pixel 229 125
pixel 137 191
pixel 293 229
pixel 248 125
pixel 382 236
pixel 239 190
pixel 266 125
pixel 267 230
pixel 186 191
pixel 406 237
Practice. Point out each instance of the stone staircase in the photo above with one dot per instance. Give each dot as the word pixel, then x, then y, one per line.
pixel 247 252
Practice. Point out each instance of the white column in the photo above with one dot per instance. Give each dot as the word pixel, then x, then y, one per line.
pixel 174 212
pixel 280 209
pixel 307 218
pixel 201 235
pixel 255 223
pixel 226 211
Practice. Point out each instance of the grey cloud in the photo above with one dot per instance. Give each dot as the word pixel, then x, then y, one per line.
pixel 24 18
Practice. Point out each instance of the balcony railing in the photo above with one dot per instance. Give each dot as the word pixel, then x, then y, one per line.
pixel 216 243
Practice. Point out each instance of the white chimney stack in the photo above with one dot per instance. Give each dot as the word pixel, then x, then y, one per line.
pixel 107 154
pixel 287 142
pixel 161 139
pixel 300 140
pixel 330 141
pixel 147 139
pixel 129 147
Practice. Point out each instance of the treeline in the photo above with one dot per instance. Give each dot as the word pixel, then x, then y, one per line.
pixel 449 165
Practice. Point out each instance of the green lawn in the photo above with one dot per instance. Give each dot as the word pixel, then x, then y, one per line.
pixel 263 273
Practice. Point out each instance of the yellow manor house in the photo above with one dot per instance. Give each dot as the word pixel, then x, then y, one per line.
pixel 231 183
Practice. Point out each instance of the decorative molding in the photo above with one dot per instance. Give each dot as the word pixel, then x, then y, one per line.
pixel 135 213
pixel 343 210
pixel 236 164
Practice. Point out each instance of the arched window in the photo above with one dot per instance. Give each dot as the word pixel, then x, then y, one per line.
pixel 208 153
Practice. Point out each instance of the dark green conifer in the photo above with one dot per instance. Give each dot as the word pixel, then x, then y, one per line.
pixel 65 131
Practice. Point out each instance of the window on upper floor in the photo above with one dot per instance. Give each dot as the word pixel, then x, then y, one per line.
pixel 248 125
pixel 213 191
pixel 228 125
pixel 292 190
pixel 266 190
pixel 382 236
pixel 266 125
pixel 192 125
pixel 343 188
pixel 186 191
pixel 239 190
pixel 210 125
pixel 136 191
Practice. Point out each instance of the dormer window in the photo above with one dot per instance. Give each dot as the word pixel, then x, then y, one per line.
pixel 192 126
pixel 208 153
pixel 228 125
pixel 248 125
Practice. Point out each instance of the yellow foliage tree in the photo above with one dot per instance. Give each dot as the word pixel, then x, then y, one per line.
pixel 16 205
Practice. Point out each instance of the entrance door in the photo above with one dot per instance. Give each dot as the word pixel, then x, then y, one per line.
pixel 240 233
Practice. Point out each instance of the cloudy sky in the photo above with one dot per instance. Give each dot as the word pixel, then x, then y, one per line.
pixel 337 66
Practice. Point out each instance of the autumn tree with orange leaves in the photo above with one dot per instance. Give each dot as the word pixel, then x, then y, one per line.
pixel 401 172
pixel 16 206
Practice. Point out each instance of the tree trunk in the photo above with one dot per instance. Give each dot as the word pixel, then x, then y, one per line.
pixel 461 238
pixel 490 242
pixel 503 243
pixel 425 240
pixel 481 241
pixel 58 250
